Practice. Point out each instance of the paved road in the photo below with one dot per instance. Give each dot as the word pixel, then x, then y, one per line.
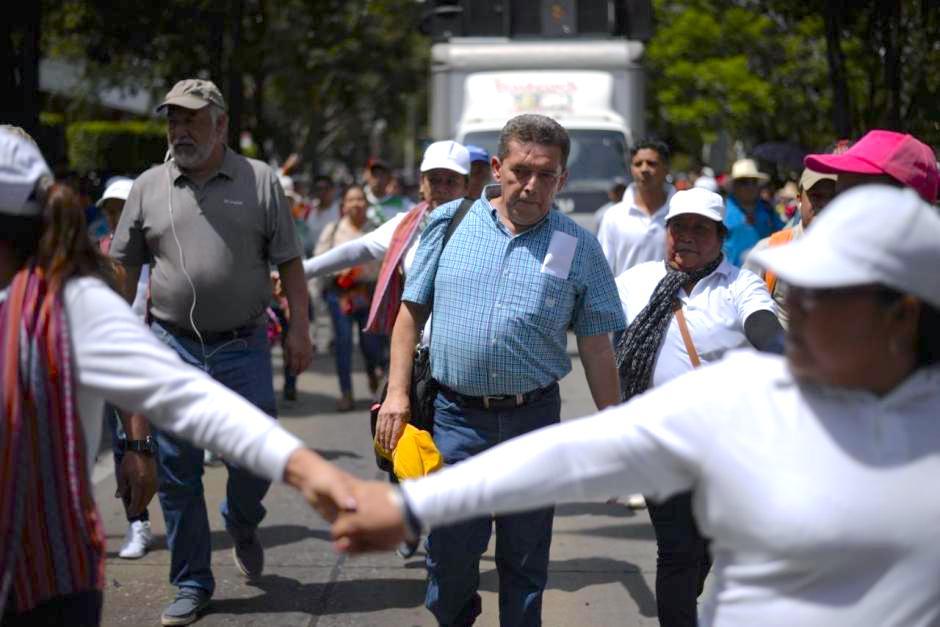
pixel 601 573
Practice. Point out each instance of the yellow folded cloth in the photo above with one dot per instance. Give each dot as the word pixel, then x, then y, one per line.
pixel 415 454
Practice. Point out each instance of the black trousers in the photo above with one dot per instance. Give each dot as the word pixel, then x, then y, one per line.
pixel 682 561
pixel 80 609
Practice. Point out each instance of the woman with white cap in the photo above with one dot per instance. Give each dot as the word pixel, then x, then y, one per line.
pixel 681 313
pixel 783 456
pixel 128 428
pixel 445 172
pixel 67 344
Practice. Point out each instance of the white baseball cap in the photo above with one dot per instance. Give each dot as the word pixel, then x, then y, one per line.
pixel 118 187
pixel 872 234
pixel 699 201
pixel 448 155
pixel 707 182
pixel 21 167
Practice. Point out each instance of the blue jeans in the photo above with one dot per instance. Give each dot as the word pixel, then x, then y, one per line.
pixel 369 344
pixel 244 366
pixel 522 540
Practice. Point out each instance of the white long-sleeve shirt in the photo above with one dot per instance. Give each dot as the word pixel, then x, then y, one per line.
pixel 118 359
pixel 368 247
pixel 820 502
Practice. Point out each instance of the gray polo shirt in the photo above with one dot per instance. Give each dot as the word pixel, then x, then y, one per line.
pixel 230 230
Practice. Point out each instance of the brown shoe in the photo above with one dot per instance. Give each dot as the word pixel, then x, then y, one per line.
pixel 345 403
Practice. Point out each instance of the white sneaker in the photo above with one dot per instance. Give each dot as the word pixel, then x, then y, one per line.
pixel 636 501
pixel 138 539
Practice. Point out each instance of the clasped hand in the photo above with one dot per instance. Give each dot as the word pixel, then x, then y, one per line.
pixel 376 524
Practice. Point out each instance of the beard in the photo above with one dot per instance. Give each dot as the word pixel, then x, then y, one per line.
pixel 189 156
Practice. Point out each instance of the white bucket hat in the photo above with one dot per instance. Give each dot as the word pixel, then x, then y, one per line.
pixel 448 155
pixel 699 201
pixel 873 234
pixel 21 167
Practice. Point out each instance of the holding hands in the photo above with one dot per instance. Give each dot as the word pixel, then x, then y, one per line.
pixel 378 522
pixel 366 515
pixel 328 489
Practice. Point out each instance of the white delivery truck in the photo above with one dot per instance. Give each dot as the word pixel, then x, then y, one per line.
pixel 594 88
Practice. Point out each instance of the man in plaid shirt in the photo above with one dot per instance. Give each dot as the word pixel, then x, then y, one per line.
pixel 514 277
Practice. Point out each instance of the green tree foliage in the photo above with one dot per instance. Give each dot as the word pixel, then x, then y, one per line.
pixel 128 147
pixel 308 76
pixel 760 71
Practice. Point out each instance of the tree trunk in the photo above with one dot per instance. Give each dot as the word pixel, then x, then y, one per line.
pixel 236 88
pixel 890 11
pixel 841 111
pixel 19 68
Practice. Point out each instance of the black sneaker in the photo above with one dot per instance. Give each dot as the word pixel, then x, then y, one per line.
pixel 247 553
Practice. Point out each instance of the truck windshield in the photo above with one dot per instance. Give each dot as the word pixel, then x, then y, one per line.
pixel 596 157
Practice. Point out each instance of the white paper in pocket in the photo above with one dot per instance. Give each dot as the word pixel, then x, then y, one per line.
pixel 560 255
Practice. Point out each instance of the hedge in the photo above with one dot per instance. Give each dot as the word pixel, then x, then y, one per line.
pixel 126 146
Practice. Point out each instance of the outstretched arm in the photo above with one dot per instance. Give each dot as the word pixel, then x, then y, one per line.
pixel 120 360
pixel 369 247
pixel 651 445
pixel 764 332
pixel 339 258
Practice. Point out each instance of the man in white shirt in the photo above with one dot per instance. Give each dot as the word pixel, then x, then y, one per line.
pixel 633 231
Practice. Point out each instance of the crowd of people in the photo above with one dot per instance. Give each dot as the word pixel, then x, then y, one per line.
pixel 158 324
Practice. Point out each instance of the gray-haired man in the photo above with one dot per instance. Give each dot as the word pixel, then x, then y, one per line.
pixel 212 222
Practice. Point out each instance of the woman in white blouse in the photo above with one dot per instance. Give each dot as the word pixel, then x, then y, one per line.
pixel 811 475
pixel 68 343
pixel 681 312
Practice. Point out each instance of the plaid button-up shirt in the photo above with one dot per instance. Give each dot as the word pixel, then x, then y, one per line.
pixel 500 320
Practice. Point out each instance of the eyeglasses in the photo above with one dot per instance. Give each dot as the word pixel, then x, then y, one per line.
pixel 810 299
pixel 543 177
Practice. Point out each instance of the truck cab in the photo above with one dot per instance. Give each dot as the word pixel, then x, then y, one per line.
pixel 594 86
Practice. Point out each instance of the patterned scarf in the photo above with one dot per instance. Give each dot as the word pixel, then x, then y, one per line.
pixel 51 539
pixel 388 289
pixel 636 353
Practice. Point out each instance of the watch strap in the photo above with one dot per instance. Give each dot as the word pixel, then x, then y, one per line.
pixel 147 445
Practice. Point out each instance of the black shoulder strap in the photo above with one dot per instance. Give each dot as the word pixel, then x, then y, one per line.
pixel 457 219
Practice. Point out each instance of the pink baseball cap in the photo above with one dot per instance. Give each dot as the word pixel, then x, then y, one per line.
pixel 900 156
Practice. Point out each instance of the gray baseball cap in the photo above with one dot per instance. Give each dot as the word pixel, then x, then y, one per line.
pixel 193 93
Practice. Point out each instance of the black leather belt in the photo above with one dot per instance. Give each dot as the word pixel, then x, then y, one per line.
pixel 503 401
pixel 209 337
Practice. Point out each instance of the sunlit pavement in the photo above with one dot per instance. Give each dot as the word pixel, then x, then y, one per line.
pixel 602 560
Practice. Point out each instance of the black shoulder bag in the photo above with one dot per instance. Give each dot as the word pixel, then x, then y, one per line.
pixel 423 387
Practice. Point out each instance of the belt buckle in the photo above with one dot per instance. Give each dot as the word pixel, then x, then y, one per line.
pixel 518 398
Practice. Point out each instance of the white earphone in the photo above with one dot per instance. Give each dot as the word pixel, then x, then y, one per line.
pixel 179 245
